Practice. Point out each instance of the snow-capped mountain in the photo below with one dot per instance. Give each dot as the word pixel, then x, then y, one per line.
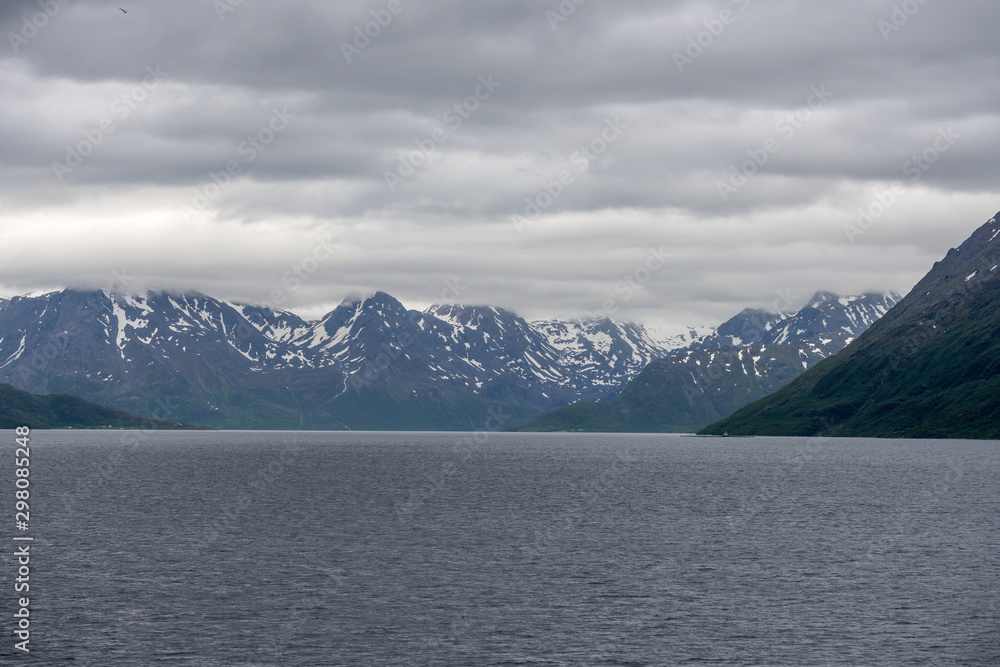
pixel 602 352
pixel 230 364
pixel 278 325
pixel 929 369
pixel 823 313
pixel 369 363
pixel 746 358
pixel 678 337
pixel 827 312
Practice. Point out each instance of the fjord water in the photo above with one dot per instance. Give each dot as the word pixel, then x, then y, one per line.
pixel 299 548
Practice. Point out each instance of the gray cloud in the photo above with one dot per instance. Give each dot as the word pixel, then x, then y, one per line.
pixel 190 184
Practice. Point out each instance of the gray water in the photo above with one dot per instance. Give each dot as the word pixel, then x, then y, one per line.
pixel 292 548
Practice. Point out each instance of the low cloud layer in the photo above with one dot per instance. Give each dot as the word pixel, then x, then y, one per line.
pixel 534 155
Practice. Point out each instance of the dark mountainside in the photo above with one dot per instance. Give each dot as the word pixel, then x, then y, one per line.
pixel 372 364
pixel 747 358
pixel 19 408
pixel 368 364
pixel 929 369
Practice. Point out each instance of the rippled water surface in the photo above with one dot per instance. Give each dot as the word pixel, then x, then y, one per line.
pixel 238 548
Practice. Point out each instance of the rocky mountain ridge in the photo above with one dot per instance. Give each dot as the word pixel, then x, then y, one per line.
pixel 929 368
pixel 370 363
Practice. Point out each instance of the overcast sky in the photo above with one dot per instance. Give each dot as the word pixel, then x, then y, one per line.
pixel 668 162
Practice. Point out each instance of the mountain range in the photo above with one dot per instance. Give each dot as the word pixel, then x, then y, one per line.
pixel 929 368
pixel 373 364
pixel 368 364
pixel 746 358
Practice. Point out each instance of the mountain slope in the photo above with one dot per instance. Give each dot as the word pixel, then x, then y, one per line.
pixel 716 375
pixel 606 354
pixel 825 312
pixel 182 357
pixel 368 364
pixel 929 368
pixel 20 408
pixel 690 388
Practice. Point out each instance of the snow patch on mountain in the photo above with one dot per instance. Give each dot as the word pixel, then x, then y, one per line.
pixel 16 355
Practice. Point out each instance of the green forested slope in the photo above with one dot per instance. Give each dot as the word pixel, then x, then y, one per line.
pixel 929 368
pixel 20 408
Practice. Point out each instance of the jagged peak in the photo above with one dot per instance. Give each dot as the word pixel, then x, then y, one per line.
pixel 368 299
pixel 823 296
pixel 354 299
pixel 469 315
pixel 750 312
pixel 592 320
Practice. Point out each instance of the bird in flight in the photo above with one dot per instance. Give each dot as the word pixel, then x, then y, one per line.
pixel 123 11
